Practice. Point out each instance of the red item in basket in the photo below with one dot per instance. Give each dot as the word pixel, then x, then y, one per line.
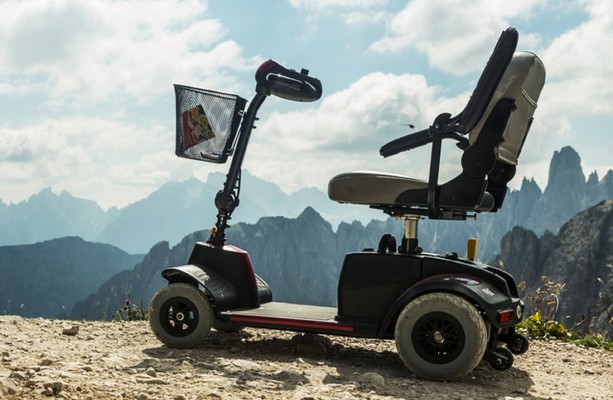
pixel 196 127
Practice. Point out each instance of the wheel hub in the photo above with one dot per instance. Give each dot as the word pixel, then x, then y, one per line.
pixel 179 316
pixel 438 337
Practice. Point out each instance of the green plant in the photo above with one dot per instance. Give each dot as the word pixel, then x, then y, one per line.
pixel 537 327
pixel 131 312
pixel 542 324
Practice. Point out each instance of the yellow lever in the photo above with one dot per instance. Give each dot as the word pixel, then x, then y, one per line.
pixel 471 249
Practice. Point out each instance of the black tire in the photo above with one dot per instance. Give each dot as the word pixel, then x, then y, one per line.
pixel 440 336
pixel 500 364
pixel 518 344
pixel 180 315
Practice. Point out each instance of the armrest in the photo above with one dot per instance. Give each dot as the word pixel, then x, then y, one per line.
pixel 407 142
pixel 419 139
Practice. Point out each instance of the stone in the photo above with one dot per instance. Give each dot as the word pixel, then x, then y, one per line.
pixel 72 331
pixel 7 386
pixel 372 378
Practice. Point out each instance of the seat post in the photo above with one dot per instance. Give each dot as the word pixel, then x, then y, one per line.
pixel 409 240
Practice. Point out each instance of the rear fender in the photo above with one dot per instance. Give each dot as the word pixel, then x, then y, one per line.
pixel 488 298
pixel 223 295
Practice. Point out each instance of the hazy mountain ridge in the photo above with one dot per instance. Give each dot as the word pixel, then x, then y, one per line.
pixel 178 208
pixel 46 279
pixel 169 213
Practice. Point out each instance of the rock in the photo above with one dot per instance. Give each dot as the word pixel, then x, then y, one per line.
pixel 72 331
pixel 45 362
pixel 372 378
pixel 311 344
pixel 7 386
pixel 18 375
pixel 53 388
pixel 291 376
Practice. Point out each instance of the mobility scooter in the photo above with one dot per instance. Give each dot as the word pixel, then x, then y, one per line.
pixel 446 313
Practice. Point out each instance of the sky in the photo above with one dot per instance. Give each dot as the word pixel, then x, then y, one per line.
pixel 87 102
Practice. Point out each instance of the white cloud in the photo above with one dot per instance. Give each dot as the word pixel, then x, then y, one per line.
pixel 579 67
pixel 351 12
pixel 90 157
pixel 456 36
pixel 344 132
pixel 336 4
pixel 82 52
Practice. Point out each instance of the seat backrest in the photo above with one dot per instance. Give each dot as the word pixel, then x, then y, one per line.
pixel 474 111
pixel 522 82
pixel 492 74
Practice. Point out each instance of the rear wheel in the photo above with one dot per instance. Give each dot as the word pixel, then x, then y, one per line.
pixel 440 336
pixel 180 315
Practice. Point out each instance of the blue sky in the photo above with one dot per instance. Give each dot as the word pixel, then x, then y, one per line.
pixel 87 104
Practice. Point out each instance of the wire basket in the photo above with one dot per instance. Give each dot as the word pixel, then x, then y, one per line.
pixel 207 122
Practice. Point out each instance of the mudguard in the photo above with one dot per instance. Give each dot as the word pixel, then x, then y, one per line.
pixel 223 294
pixel 490 300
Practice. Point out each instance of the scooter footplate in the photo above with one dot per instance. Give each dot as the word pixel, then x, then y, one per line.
pixel 290 316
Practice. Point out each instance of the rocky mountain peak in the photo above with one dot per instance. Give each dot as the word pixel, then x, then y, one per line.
pixel 580 256
pixel 565 171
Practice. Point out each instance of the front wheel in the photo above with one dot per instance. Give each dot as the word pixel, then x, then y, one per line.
pixel 440 336
pixel 180 315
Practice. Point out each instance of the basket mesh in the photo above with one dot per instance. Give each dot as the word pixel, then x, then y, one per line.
pixel 207 122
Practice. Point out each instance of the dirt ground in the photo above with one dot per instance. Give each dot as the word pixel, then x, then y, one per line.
pixel 43 359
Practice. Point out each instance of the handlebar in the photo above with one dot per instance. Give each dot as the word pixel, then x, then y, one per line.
pixel 272 78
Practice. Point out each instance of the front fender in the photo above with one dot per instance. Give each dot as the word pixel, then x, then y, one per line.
pixel 489 299
pixel 186 273
pixel 223 294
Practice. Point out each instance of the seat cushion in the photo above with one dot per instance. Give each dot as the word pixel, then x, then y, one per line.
pixel 366 187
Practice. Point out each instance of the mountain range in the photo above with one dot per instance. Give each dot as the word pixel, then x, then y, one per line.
pixel 183 207
pixel 299 256
pixel 178 209
pixel 46 279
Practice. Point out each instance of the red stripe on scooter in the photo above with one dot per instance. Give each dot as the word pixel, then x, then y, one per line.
pixel 333 326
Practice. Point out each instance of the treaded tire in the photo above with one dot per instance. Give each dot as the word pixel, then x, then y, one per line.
pixel 440 336
pixel 180 315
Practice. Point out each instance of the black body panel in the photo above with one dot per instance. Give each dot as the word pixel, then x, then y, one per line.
pixel 226 264
pixel 374 287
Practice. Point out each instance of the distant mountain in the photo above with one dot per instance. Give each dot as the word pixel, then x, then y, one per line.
pixel 46 279
pixel 300 258
pixel 169 213
pixel 178 208
pixel 580 256
pixel 47 215
pixel 566 194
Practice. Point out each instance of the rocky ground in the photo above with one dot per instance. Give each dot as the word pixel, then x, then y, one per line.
pixel 43 358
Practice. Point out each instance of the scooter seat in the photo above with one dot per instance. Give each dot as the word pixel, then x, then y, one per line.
pixel 491 131
pixel 364 187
